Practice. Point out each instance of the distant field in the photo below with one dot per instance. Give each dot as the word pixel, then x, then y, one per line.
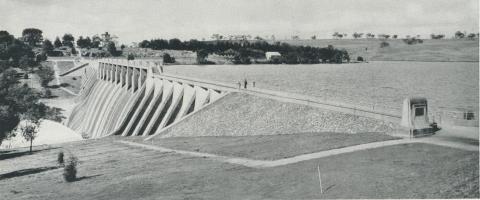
pixel 110 170
pixel 430 50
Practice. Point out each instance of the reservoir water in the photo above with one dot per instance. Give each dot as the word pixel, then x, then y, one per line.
pixel 382 85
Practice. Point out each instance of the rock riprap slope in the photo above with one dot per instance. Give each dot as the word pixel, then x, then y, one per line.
pixel 240 114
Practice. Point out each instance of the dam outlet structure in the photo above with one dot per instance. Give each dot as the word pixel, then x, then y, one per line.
pixel 133 98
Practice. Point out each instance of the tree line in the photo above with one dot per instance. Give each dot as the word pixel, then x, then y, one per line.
pixel 243 51
pixel 19 101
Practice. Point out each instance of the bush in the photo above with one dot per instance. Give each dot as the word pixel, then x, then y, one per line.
pixel 384 44
pixel 47 93
pixel 46 75
pixel 130 57
pixel 413 40
pixel 360 59
pixel 60 160
pixel 168 59
pixel 70 169
pixel 85 135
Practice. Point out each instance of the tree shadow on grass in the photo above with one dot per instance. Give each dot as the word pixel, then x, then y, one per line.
pixel 87 177
pixel 58 86
pixel 13 154
pixel 25 172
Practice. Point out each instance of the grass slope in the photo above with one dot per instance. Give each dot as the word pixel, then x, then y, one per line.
pixel 430 50
pixel 270 147
pixel 110 170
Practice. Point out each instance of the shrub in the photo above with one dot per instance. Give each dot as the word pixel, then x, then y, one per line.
pixel 47 93
pixel 60 160
pixel 70 169
pixel 130 57
pixel 384 44
pixel 85 135
pixel 168 59
pixel 46 75
pixel 413 40
pixel 360 58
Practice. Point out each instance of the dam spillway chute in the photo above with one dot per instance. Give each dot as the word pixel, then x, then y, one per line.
pixel 133 98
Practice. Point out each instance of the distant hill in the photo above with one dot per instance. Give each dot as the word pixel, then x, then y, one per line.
pixel 429 50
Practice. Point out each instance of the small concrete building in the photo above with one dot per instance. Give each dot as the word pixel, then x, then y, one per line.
pixel 415 114
pixel 272 54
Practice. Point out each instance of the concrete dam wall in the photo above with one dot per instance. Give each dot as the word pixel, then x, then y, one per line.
pixel 118 97
pixel 137 99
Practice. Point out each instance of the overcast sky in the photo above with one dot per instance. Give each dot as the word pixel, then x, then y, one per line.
pixel 135 20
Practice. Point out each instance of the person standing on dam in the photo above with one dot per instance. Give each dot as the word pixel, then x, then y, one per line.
pixel 245 84
pixel 239 85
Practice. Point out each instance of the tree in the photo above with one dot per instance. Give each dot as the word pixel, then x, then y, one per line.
pixel 395 36
pixel 130 57
pixel 168 59
pixel 471 36
pixel 47 46
pixel 6 38
pixel 32 36
pixel 314 37
pixel 335 35
pixel 144 44
pixel 46 75
pixel 216 36
pixel 8 120
pixel 459 35
pixel 258 38
pixel 437 37
pixel 84 42
pixel 67 40
pixel 202 56
pixel 27 63
pixel 57 43
pixel 29 130
pixel 384 44
pixel 96 40
pixel 357 35
pixel 112 49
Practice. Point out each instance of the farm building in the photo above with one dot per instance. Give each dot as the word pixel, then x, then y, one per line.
pixel 272 54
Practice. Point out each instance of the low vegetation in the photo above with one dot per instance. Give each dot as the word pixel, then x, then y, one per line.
pixel 70 169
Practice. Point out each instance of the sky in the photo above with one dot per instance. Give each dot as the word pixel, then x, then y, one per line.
pixel 136 20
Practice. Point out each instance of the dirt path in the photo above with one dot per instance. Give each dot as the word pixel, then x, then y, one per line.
pixel 286 161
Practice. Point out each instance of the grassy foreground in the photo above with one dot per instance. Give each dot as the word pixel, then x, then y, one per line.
pixel 110 170
pixel 271 147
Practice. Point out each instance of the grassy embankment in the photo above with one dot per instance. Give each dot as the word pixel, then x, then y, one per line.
pixel 72 81
pixel 110 170
pixel 428 51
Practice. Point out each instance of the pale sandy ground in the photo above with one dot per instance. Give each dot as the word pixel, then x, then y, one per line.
pixel 50 132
